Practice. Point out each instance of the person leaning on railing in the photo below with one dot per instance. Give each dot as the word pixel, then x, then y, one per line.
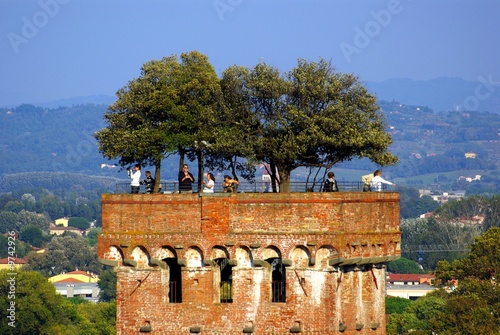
pixel 230 185
pixel 330 183
pixel 377 181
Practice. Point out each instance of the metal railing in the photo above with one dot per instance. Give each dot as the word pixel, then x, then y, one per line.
pixel 173 296
pixel 226 292
pixel 278 291
pixel 255 187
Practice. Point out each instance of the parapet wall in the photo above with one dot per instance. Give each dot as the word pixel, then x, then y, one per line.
pixel 334 247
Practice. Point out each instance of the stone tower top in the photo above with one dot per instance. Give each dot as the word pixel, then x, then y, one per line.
pixel 274 263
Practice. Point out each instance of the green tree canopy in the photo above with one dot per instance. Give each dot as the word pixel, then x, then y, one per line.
pixel 310 116
pixel 470 306
pixel 169 108
pixel 4 199
pixel 137 131
pixel 51 205
pixel 64 254
pixel 425 204
pixel 35 219
pixel 33 235
pixel 482 262
pixel 417 317
pixel 404 265
pixel 9 221
pixel 97 319
pixel 396 304
pixel 445 235
pixel 107 286
pixel 236 129
pixel 492 213
pixel 22 249
pixel 408 197
pixel 464 208
pixel 92 235
pixel 38 309
pixel 14 206
pixel 79 222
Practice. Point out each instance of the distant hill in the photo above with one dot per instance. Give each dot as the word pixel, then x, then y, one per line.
pixel 91 99
pixel 36 139
pixel 61 182
pixel 83 100
pixel 432 148
pixel 441 94
pixel 60 140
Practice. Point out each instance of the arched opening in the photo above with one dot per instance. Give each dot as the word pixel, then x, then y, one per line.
pixel 140 255
pixel 278 279
pixel 300 257
pixel 324 255
pixel 114 253
pixel 226 280
pixel 175 283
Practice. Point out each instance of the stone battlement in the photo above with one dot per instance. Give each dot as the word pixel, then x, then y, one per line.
pixel 273 263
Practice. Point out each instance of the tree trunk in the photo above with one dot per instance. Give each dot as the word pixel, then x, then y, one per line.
pixel 284 181
pixel 201 178
pixel 233 170
pixel 280 178
pixel 182 154
pixel 157 176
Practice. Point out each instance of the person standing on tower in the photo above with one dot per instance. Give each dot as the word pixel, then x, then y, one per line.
pixel 135 177
pixel 186 180
pixel 149 183
pixel 377 181
pixel 330 183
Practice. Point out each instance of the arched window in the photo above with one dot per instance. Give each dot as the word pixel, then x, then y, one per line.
pixel 175 283
pixel 226 280
pixel 278 279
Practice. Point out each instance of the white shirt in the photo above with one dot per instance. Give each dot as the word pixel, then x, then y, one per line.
pixel 136 178
pixel 209 187
pixel 377 182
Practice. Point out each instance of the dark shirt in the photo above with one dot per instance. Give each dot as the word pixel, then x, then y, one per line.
pixel 185 185
pixel 330 186
pixel 149 184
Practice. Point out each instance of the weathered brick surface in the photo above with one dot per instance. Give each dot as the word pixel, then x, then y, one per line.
pixel 335 247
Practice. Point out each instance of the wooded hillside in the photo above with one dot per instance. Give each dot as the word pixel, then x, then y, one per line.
pixel 431 146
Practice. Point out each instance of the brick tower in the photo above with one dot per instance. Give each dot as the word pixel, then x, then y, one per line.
pixel 250 263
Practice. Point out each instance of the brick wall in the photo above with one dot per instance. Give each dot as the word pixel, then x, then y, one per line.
pixel 334 248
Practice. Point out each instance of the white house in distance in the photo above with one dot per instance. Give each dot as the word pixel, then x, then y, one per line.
pixel 470 179
pixel 409 286
pixel 61 222
pixel 77 284
pixel 58 230
pixel 87 291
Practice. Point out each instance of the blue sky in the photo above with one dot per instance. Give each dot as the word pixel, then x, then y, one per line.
pixel 58 49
